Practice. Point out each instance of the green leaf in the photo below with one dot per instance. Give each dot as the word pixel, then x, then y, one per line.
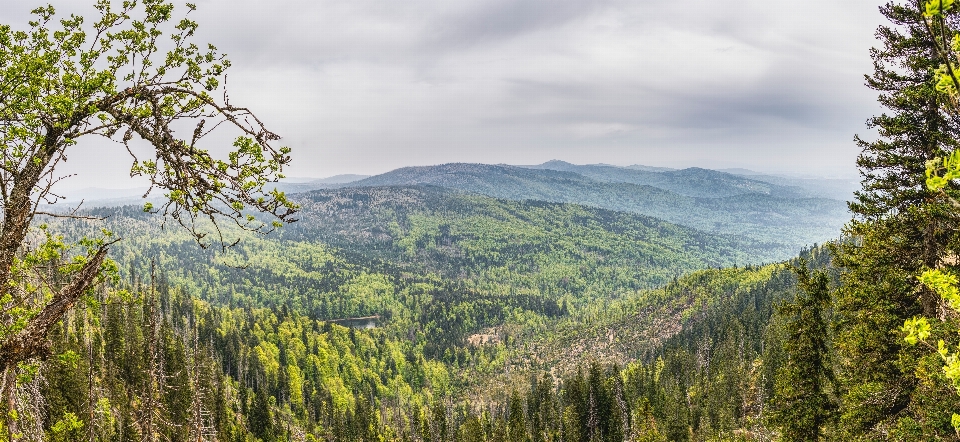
pixel 937 8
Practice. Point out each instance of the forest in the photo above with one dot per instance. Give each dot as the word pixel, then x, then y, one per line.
pixel 464 302
pixel 223 362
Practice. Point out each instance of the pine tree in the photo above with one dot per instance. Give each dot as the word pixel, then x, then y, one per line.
pixel 802 403
pixel 261 424
pixel 517 425
pixel 899 228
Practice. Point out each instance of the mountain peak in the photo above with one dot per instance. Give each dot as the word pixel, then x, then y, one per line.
pixel 557 165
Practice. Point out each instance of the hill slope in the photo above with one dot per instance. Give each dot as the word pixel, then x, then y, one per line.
pixel 790 223
pixel 694 181
pixel 472 297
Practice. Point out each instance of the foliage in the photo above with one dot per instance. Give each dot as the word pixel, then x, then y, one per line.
pixel 434 266
pixel 131 74
pixel 802 404
pixel 939 278
pixel 729 205
pixel 235 324
pixel 889 389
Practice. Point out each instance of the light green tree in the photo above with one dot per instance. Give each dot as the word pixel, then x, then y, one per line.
pixel 940 19
pixel 132 75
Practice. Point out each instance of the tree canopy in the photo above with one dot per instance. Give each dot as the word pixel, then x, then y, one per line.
pixel 131 75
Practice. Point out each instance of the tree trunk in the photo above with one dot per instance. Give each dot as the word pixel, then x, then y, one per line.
pixel 32 342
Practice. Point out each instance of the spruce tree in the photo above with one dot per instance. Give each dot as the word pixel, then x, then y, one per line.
pixel 261 424
pixel 802 404
pixel 899 228
pixel 517 424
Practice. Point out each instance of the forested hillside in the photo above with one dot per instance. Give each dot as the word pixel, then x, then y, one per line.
pixel 725 204
pixel 467 302
pixel 482 318
pixel 694 181
pixel 437 264
pixel 216 355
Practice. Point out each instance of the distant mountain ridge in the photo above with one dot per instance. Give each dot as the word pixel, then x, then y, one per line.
pixel 694 181
pixel 340 179
pixel 299 185
pixel 764 208
pixel 790 220
pixel 836 188
pixel 648 168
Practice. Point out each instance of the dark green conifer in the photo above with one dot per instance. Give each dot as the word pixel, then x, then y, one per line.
pixel 261 424
pixel 899 228
pixel 802 403
pixel 517 423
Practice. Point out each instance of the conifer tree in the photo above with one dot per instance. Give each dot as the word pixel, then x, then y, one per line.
pixel 899 228
pixel 517 424
pixel 261 424
pixel 802 403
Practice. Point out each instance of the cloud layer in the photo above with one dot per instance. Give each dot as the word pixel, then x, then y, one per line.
pixel 367 86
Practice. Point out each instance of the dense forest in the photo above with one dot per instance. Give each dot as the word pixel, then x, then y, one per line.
pixel 784 217
pixel 488 303
pixel 146 358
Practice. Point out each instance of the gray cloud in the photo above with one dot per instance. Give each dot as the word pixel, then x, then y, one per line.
pixel 365 86
pixel 493 21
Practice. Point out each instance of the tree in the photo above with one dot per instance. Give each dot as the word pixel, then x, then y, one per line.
pixel 517 423
pixel 261 423
pixel 801 403
pixel 900 227
pixel 941 17
pixel 133 76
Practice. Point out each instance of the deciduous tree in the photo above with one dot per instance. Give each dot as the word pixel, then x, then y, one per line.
pixel 131 75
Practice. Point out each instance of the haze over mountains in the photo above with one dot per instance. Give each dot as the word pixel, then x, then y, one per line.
pixel 476 279
pixel 785 213
pixel 694 181
pixel 788 217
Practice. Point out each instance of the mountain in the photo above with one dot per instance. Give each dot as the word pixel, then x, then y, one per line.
pixel 836 188
pixel 787 223
pixel 103 197
pixel 437 219
pixel 470 299
pixel 367 251
pixel 340 179
pixel 297 185
pixel 695 182
pixel 649 168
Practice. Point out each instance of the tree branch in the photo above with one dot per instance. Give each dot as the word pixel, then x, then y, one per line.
pixel 32 342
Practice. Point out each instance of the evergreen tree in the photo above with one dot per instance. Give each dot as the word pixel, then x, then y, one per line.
pixel 517 424
pixel 261 424
pixel 899 228
pixel 802 403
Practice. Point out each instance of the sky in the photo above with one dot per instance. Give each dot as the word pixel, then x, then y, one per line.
pixel 358 86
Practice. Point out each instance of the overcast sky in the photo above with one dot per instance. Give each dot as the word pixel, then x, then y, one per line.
pixel 358 86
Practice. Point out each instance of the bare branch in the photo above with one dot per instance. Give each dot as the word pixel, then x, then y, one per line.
pixel 71 216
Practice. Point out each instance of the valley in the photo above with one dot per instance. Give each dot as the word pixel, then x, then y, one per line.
pixel 187 277
pixel 422 294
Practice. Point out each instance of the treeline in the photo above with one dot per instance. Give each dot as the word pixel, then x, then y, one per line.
pixel 247 372
pixel 244 343
pixel 170 367
pixel 162 365
pixel 153 363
